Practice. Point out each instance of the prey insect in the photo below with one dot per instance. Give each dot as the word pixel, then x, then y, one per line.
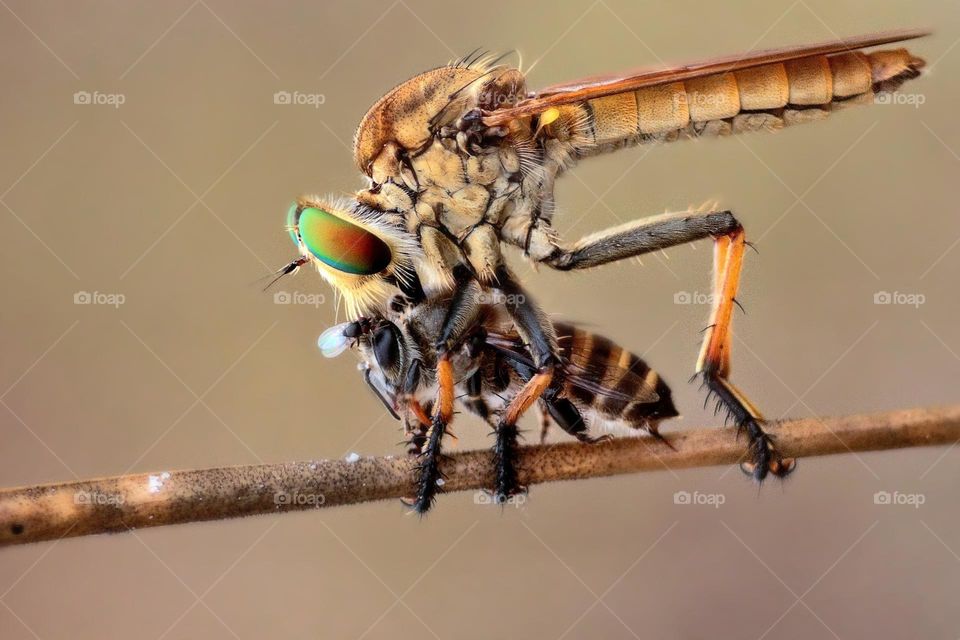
pixel 600 389
pixel 463 159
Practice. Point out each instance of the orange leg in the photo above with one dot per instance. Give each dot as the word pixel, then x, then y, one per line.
pixel 506 450
pixel 714 361
pixel 429 475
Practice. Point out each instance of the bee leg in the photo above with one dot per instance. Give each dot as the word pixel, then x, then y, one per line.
pixel 565 414
pixel 544 423
pixel 714 361
pixel 416 427
pixel 474 399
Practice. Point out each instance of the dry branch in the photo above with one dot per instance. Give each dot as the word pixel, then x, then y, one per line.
pixel 49 512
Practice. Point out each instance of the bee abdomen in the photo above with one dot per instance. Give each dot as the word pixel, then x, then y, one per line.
pixel 620 381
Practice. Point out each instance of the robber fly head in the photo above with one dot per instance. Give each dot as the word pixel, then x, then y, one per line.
pixel 358 250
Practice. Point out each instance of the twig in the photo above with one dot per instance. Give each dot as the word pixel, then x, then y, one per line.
pixel 48 512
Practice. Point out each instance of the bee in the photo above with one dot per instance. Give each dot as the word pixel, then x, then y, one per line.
pixel 599 390
pixel 463 159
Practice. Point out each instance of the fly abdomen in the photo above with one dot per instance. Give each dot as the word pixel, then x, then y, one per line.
pixel 766 97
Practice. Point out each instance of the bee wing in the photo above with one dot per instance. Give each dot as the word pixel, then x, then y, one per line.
pixel 333 342
pixel 607 380
pixel 605 85
pixel 610 382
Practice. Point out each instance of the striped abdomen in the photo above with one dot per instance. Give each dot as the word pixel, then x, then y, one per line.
pixel 609 366
pixel 767 97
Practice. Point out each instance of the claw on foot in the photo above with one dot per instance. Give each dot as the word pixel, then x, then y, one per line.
pixel 766 459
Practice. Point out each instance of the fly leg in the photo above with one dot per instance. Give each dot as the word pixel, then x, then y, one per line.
pixel 637 238
pixel 506 450
pixel 714 361
pixel 537 332
pixel 460 315
pixel 428 470
pixel 660 232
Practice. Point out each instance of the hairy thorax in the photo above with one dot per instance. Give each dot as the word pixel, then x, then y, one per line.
pixel 459 203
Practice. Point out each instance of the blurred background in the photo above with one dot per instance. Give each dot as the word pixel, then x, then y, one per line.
pixel 145 175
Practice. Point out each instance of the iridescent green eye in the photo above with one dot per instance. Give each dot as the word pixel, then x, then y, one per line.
pixel 340 244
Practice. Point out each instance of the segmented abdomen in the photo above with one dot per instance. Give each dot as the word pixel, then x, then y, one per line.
pixel 610 366
pixel 759 98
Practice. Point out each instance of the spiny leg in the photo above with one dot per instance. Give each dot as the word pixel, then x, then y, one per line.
pixel 417 426
pixel 506 450
pixel 633 238
pixel 714 361
pixel 459 316
pixel 428 469
pixel 661 232
pixel 536 330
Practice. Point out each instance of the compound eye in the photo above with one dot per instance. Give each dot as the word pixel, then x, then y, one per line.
pixel 341 244
pixel 386 347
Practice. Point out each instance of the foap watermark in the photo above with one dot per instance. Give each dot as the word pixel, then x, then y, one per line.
pixel 899 298
pixel 914 100
pixel 699 101
pixel 98 499
pixel 498 297
pixel 698 498
pixel 298 297
pixel 299 98
pixel 297 499
pixel 485 497
pixel 99 98
pixel 693 297
pixel 915 500
pixel 99 298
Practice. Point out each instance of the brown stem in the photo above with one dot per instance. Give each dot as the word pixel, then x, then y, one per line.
pixel 49 512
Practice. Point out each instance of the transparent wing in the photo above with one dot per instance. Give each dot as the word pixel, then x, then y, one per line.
pixel 603 379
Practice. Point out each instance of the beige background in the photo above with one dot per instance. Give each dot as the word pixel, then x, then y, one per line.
pixel 176 200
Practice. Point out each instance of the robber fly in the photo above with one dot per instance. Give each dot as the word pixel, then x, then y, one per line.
pixel 598 391
pixel 463 158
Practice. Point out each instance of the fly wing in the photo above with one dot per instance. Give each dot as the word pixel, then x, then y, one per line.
pixel 600 86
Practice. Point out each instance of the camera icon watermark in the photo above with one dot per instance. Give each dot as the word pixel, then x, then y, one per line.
pixel 485 497
pixel 97 98
pixel 915 500
pixel 899 298
pixel 298 297
pixel 692 297
pixel 298 98
pixel 99 298
pixel 915 100
pixel 97 499
pixel 297 499
pixel 498 297
pixel 698 498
